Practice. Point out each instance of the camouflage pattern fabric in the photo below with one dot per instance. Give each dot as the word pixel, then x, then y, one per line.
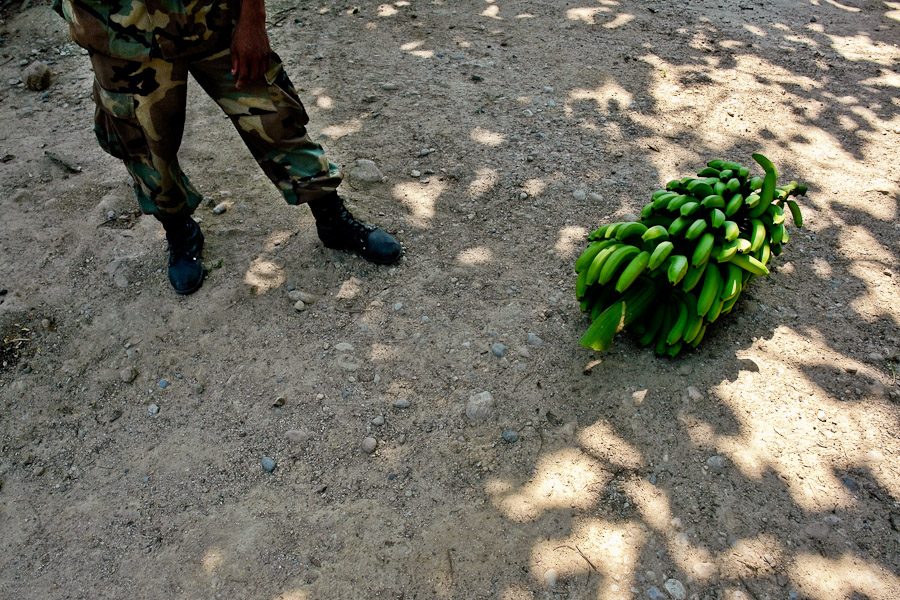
pixel 143 29
pixel 140 119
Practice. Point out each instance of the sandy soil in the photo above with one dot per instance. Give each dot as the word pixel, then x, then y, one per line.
pixel 133 422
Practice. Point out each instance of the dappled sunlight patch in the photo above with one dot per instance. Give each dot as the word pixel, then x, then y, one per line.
pixel 492 12
pixel 325 102
pixel 480 255
pixel 755 30
pixel 621 20
pixel 414 49
pixel 487 137
pixel 862 48
pixel 212 560
pixel 843 6
pixel 292 595
pixel 386 10
pixel 586 14
pixel 419 199
pixel 485 180
pixel 344 129
pixel 263 276
pixel 567 478
pixel 568 238
pixel 747 557
pixel 602 441
pixel 895 12
pixel 849 576
pixel 609 548
pixel 609 92
pixel 534 187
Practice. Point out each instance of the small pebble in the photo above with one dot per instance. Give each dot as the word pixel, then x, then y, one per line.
pixel 268 464
pixel 716 462
pixel 675 589
pixel 534 340
pixel 821 415
pixel 36 76
pixel 401 403
pixel 498 349
pixel 369 444
pixel 153 409
pixel 551 577
pixel 299 305
pixel 579 195
pixel 344 347
pixel 220 208
pixel 480 406
pixel 128 374
pixel 163 383
pixel 510 436
pixel 654 593
pixel 378 421
pixel 398 306
pixel 297 436
pixel 415 173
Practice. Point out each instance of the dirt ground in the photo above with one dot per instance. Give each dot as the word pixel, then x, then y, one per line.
pixel 133 422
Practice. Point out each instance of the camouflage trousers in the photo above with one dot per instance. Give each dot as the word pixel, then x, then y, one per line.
pixel 140 116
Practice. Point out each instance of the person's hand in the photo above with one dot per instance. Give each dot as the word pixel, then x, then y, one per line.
pixel 250 44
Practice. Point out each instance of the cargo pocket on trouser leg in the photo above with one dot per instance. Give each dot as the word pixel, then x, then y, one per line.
pixel 115 125
pixel 301 171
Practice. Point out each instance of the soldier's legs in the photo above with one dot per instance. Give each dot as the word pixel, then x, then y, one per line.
pixel 139 118
pixel 271 120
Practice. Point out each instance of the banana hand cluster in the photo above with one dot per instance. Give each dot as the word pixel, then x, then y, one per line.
pixel 699 243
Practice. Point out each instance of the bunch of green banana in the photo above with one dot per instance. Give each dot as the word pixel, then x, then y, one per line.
pixel 699 243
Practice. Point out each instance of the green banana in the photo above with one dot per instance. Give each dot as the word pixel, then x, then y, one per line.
pixel 693 277
pixel 725 174
pixel 678 268
pixel 695 322
pixel 675 203
pixel 641 296
pixel 647 211
pixel 660 348
pixel 689 208
pixel 593 272
pixel 733 185
pixel 720 188
pixel 734 205
pixel 699 188
pixel 727 251
pixel 743 245
pixel 764 254
pixel 599 336
pixel 637 266
pixel 657 232
pixel 755 183
pixel 732 231
pixel 776 213
pixel 659 193
pixel 709 291
pixel 660 254
pixel 795 213
pixel 778 234
pixel 757 234
pixel 699 337
pixel 752 201
pixel 732 282
pixel 708 172
pixel 750 264
pixel 715 163
pixel 714 201
pixel 629 229
pixel 653 325
pixel 615 260
pixel 593 249
pixel 768 187
pixel 696 229
pixel 599 233
pixel 678 323
pixel 663 200
pixel 678 226
pixel 703 249
pixel 717 218
pixel 730 164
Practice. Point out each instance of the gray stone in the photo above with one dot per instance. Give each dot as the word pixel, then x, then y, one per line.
pixel 675 589
pixel 36 76
pixel 299 305
pixel 343 347
pixel 654 593
pixel 153 409
pixel 268 464
pixel 364 172
pixel 378 421
pixel 301 296
pixel 128 374
pixel 579 195
pixel 220 208
pixel 510 436
pixel 480 406
pixel 401 403
pixel 716 463
pixel 498 349
pixel 297 436
pixel 534 340
pixel 369 444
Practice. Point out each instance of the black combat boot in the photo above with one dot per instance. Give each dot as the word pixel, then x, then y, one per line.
pixel 340 231
pixel 185 244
